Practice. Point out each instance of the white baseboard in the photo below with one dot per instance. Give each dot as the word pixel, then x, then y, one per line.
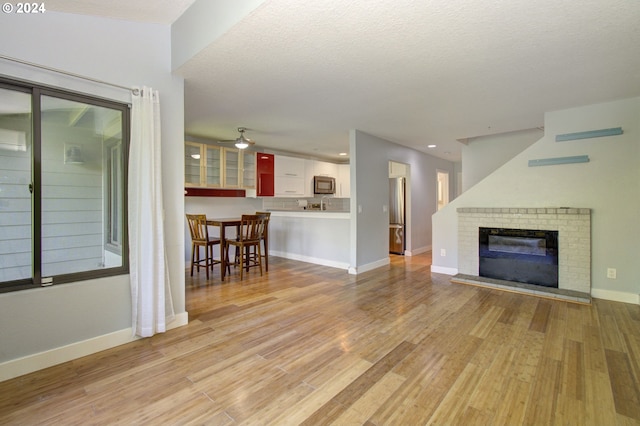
pixel 615 296
pixel 30 363
pixel 369 266
pixel 309 259
pixel 417 251
pixel 444 270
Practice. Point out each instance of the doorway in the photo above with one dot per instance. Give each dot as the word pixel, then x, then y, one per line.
pixel 443 188
pixel 398 208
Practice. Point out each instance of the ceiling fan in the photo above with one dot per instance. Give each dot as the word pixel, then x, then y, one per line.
pixel 241 142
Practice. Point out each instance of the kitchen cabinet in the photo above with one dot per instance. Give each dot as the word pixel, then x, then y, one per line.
pixel 231 168
pixel 310 170
pixel 248 173
pixel 203 165
pixel 286 186
pixel 343 181
pixel 289 176
pixel 210 166
pixel 265 168
pixel 289 166
pixel 323 168
pixel 192 169
pixel 239 168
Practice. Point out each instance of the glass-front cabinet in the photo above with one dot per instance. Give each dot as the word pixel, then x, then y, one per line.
pixel 213 166
pixel 210 166
pixel 231 168
pixel 248 169
pixel 192 169
pixel 202 165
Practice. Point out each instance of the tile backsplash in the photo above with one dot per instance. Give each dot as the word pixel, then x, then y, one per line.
pixel 333 204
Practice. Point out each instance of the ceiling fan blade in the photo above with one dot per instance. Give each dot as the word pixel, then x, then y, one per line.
pixel 240 139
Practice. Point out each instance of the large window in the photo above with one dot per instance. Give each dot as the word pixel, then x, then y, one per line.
pixel 62 187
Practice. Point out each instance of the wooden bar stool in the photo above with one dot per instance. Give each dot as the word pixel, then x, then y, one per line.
pixel 251 229
pixel 265 238
pixel 200 238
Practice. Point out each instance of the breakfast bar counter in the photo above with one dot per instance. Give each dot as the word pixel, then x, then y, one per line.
pixel 320 237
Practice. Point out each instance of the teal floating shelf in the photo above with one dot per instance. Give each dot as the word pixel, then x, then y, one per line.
pixel 615 131
pixel 559 160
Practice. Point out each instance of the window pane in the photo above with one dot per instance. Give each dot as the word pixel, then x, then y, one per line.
pixel 15 178
pixel 81 187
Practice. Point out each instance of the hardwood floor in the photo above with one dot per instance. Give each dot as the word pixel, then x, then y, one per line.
pixel 311 345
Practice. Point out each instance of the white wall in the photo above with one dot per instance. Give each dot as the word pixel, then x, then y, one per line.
pixel 483 155
pixel 370 158
pixel 609 185
pixel 45 320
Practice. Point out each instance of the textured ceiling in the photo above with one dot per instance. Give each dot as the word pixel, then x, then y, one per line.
pixel 300 74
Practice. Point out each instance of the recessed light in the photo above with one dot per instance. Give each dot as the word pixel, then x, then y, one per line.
pixel 342 154
pixel 431 146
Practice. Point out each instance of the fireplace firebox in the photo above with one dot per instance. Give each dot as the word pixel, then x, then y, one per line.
pixel 520 255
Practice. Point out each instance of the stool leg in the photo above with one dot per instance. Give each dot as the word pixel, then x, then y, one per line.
pixel 193 256
pixel 206 260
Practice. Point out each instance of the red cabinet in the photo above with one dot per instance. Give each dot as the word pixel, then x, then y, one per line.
pixel 265 169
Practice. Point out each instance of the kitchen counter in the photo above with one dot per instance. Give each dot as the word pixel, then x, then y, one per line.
pixel 325 214
pixel 320 237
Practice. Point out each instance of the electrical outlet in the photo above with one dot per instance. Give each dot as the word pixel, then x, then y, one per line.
pixel 443 252
pixel 611 273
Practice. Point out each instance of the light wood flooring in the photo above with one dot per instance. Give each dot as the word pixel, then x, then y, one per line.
pixel 313 345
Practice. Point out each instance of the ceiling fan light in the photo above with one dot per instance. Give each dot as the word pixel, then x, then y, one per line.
pixel 241 144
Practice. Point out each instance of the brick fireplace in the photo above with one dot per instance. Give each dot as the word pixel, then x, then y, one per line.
pixel 574 239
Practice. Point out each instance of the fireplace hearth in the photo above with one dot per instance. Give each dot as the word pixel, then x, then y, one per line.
pixel 519 255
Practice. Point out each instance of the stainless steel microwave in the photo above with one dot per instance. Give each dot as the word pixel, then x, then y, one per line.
pixel 324 185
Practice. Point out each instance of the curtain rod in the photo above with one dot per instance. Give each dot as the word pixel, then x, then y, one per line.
pixel 94 80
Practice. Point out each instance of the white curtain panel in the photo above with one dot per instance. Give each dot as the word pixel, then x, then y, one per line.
pixel 152 307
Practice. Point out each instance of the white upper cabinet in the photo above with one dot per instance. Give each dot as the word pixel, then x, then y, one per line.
pixel 322 168
pixel 289 176
pixel 310 172
pixel 343 182
pixel 294 176
pixel 289 166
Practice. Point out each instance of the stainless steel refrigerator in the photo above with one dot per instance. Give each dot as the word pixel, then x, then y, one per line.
pixel 396 215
